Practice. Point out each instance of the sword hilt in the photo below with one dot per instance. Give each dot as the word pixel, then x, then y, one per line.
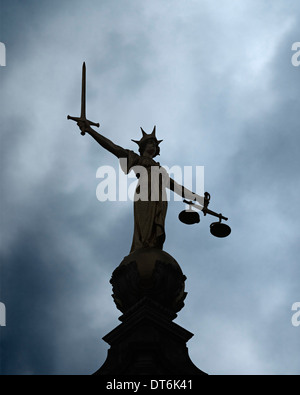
pixel 76 119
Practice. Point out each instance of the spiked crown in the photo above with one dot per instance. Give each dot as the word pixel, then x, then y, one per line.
pixel 147 137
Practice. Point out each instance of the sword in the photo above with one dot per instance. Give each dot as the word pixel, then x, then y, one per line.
pixel 82 117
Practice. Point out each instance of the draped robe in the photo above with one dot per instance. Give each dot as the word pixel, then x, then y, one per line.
pixel 150 201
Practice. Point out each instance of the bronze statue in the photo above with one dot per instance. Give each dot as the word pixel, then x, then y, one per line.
pixel 150 210
pixel 150 213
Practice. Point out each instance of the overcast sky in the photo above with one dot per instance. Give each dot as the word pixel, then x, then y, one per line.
pixel 216 78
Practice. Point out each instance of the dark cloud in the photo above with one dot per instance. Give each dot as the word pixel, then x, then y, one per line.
pixel 218 82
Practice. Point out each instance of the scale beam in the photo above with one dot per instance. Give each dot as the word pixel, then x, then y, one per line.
pixel 191 217
pixel 205 210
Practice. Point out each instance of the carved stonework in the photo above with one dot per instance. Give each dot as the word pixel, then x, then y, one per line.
pixel 147 342
pixel 150 273
pixel 148 287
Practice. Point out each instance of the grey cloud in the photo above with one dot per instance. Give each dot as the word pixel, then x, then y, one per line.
pixel 222 96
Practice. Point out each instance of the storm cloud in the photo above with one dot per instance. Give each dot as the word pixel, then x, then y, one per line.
pixel 216 78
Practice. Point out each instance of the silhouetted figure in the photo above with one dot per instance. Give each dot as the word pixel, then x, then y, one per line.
pixel 149 285
pixel 150 202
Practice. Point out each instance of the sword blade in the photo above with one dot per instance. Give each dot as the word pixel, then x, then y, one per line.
pixel 83 92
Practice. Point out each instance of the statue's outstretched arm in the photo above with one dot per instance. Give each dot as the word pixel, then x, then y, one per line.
pixel 107 144
pixel 184 192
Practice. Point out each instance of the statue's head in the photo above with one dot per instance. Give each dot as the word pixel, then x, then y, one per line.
pixel 149 143
pixel 151 147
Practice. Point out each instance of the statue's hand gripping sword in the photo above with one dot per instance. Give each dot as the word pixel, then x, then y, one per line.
pixel 82 117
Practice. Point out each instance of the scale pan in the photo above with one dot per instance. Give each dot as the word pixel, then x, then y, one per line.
pixel 219 230
pixel 189 217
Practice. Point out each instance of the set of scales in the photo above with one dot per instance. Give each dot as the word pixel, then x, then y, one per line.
pixel 189 216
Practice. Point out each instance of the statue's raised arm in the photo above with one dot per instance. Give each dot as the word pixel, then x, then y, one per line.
pixel 107 144
pixel 185 193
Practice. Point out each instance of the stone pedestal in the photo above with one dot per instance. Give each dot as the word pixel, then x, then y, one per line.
pixel 148 287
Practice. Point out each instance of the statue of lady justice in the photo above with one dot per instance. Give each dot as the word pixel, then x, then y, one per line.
pixel 148 270
pixel 150 201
